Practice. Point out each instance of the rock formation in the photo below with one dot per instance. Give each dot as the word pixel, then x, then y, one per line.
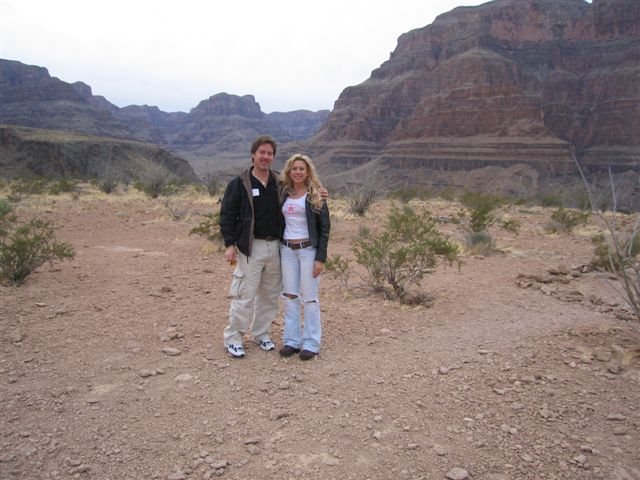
pixel 28 151
pixel 214 135
pixel 510 82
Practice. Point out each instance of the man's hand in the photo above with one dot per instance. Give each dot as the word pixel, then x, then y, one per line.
pixel 231 255
pixel 324 193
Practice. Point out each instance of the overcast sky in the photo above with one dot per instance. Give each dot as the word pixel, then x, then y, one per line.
pixel 289 54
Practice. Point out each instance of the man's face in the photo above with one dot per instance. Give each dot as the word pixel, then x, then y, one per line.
pixel 263 157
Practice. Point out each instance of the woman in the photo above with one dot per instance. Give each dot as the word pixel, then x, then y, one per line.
pixel 302 254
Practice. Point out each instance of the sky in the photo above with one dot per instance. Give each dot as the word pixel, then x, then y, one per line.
pixel 289 54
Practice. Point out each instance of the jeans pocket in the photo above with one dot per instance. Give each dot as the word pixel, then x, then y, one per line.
pixel 236 282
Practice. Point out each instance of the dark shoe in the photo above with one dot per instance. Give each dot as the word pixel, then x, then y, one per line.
pixel 287 351
pixel 307 355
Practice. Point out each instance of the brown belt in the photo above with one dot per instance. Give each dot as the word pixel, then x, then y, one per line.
pixel 296 245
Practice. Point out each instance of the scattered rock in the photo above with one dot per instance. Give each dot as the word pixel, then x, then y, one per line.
pixel 173 352
pixel 457 473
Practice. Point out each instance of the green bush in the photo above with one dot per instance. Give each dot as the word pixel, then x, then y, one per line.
pixel 551 200
pixel 24 248
pixel 607 257
pixel 480 213
pixel 402 254
pixel 339 268
pixel 153 182
pixel 563 220
pixel 27 186
pixel 479 243
pixel 405 194
pixel 209 228
pixel 212 183
pixel 107 185
pixel 63 185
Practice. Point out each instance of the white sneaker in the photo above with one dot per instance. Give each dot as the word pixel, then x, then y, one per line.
pixel 267 345
pixel 236 351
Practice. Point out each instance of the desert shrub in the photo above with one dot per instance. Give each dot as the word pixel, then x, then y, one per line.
pixel 362 195
pixel 107 185
pixel 62 185
pixel 551 200
pixel 480 243
pixel 209 228
pixel 152 182
pixel 610 258
pixel 622 255
pixel 565 220
pixel 20 187
pixel 448 194
pixel 24 248
pixel 407 193
pixel 175 209
pixel 212 183
pixel 339 268
pixel 510 225
pixel 480 218
pixel 402 254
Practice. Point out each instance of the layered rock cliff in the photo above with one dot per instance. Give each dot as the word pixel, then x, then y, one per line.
pixel 27 151
pixel 214 135
pixel 508 82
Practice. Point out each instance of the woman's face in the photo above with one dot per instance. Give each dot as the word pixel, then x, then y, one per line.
pixel 298 172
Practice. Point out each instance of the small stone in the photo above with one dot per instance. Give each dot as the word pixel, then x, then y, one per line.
pixel 177 476
pixel 144 373
pixel 440 450
pixel 443 370
pixel 457 473
pixel 616 417
pixel 253 449
pixel 580 459
pixel 169 334
pixel 183 377
pixel 278 414
pixel 173 352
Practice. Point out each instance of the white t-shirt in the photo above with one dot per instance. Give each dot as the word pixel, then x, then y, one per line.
pixel 295 218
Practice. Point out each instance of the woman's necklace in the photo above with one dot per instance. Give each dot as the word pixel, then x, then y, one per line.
pixel 298 193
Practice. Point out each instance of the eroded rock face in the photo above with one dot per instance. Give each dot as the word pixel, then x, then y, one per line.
pixel 512 81
pixel 215 134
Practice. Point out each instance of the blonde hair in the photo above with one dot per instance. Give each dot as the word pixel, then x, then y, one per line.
pixel 312 181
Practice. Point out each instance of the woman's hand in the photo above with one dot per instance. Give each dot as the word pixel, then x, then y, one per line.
pixel 318 267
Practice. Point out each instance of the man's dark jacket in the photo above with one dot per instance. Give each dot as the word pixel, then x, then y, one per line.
pixel 236 213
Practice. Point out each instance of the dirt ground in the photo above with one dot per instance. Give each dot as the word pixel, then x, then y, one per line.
pixel 112 364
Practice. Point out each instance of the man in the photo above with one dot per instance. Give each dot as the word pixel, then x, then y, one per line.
pixel 250 223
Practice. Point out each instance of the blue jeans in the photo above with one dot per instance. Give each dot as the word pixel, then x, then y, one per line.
pixel 298 281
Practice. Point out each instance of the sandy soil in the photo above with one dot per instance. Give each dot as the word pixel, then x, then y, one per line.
pixel 112 364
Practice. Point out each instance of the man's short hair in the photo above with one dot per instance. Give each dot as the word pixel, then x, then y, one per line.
pixel 261 140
